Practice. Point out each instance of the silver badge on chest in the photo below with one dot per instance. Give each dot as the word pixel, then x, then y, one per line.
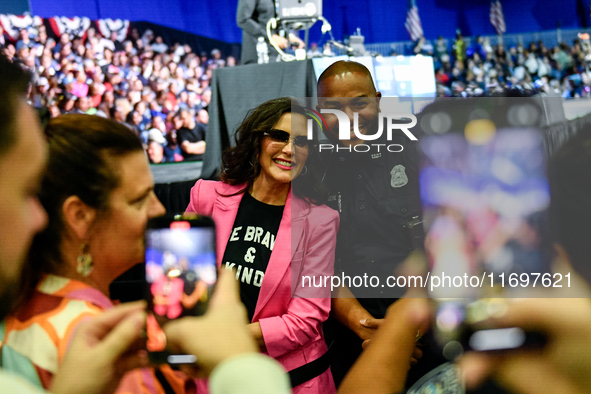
pixel 399 177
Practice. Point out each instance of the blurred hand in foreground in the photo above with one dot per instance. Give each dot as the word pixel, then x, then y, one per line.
pixel 561 367
pixel 219 334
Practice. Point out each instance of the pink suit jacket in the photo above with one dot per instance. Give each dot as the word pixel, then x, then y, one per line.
pixel 290 316
pixel 173 308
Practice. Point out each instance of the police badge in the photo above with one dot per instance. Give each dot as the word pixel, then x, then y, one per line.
pixel 399 177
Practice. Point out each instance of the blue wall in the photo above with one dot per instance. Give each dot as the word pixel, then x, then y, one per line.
pixel 379 20
pixel 16 7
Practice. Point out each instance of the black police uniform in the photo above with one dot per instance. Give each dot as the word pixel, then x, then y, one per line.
pixel 377 196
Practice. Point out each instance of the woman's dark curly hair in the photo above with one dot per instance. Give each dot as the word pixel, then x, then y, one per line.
pixel 240 164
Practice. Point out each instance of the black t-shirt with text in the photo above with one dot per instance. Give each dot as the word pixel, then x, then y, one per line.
pixel 195 135
pixel 250 245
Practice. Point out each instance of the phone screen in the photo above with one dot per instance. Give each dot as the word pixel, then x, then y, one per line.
pixel 180 277
pixel 485 198
pixel 485 203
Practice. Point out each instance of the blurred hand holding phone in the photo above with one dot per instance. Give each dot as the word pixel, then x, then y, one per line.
pixel 221 333
pixel 485 198
pixel 180 277
pixel 561 367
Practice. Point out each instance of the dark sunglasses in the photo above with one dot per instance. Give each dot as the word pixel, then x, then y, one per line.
pixel 300 141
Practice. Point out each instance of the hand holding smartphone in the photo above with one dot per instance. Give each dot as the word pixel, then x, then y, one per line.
pixel 485 199
pixel 180 277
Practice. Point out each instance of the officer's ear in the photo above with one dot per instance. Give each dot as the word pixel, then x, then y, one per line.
pixel 378 98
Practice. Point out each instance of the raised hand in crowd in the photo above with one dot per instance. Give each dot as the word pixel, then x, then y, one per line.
pixel 374 324
pixel 561 367
pixel 223 331
pixel 383 365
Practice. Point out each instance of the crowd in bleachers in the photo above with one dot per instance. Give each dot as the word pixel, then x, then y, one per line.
pixel 144 83
pixel 140 81
pixel 481 69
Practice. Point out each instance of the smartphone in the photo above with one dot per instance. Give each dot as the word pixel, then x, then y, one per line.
pixel 485 198
pixel 180 277
pixel 459 328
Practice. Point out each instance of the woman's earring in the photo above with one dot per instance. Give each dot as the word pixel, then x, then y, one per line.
pixel 85 264
pixel 304 171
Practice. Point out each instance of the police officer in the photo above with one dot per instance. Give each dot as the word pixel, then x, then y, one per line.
pixel 377 195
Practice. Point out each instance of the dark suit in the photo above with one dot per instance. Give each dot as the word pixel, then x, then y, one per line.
pixel 252 17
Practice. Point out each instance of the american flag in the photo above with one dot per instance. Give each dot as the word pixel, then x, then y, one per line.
pixel 413 21
pixel 496 16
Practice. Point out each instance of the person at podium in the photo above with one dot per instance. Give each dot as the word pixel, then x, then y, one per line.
pixel 252 17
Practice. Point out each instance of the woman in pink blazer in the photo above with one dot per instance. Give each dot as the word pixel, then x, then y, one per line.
pixel 272 228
